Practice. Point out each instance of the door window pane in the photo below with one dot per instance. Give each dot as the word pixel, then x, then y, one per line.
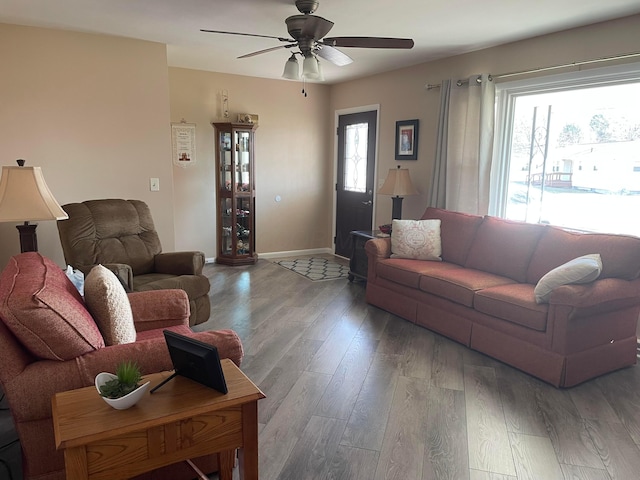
pixel 355 157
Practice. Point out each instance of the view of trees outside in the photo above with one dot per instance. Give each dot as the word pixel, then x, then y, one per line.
pixel 575 159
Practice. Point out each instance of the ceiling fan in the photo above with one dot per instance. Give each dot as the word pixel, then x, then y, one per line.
pixel 308 33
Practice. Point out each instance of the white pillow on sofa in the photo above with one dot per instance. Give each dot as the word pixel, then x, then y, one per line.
pixel 583 269
pixel 416 239
pixel 109 306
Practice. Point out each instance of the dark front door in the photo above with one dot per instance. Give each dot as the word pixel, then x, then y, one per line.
pixel 356 167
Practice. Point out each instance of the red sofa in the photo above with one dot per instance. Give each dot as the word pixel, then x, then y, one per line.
pixel 49 343
pixel 482 295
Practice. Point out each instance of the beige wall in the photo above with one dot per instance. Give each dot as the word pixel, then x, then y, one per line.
pixel 92 111
pixel 293 159
pixel 95 111
pixel 401 94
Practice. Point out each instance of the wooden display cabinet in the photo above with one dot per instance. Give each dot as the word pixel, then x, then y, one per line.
pixel 235 193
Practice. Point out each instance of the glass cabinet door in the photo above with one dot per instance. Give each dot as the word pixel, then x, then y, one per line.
pixel 243 165
pixel 226 246
pixel 243 225
pixel 225 163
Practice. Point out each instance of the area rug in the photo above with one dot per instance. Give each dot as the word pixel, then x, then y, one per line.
pixel 316 269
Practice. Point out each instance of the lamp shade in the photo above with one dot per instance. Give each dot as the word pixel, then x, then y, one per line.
pixel 291 69
pixel 398 183
pixel 24 196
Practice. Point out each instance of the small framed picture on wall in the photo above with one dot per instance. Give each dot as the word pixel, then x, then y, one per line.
pixel 407 139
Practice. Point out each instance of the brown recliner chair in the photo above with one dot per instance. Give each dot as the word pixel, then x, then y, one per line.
pixel 120 235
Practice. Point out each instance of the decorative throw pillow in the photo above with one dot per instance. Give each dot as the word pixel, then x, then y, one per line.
pixel 583 269
pixel 44 310
pixel 417 239
pixel 109 305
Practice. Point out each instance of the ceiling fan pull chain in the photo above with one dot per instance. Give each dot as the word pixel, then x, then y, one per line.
pixel 303 87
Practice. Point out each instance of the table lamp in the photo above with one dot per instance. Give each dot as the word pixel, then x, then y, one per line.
pixel 398 183
pixel 24 196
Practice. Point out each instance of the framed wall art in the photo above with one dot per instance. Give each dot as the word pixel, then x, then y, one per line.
pixel 407 139
pixel 183 142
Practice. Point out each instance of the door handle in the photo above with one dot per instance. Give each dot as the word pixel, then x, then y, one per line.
pixel 367 203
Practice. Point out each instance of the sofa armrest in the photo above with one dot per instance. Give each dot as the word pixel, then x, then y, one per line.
pixel 124 274
pixel 153 309
pixel 612 291
pixel 378 247
pixel 48 377
pixel 180 263
pixel 121 270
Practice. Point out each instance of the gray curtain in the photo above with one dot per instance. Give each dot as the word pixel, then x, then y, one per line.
pixel 464 145
pixel 439 177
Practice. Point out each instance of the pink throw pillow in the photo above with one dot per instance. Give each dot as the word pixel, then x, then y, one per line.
pixel 44 310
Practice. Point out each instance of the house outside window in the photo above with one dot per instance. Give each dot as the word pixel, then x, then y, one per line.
pixel 568 150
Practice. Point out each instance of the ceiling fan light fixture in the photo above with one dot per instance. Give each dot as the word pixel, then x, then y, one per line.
pixel 291 68
pixel 320 74
pixel 311 69
pixel 308 33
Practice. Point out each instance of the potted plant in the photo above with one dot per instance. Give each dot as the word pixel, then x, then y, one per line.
pixel 122 390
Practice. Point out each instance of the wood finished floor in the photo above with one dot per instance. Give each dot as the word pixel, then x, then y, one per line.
pixel 355 393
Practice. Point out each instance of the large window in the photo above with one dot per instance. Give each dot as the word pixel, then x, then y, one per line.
pixel 568 151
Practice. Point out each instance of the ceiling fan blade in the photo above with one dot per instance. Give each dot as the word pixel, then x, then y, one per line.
pixel 315 27
pixel 248 35
pixel 369 42
pixel 266 50
pixel 334 55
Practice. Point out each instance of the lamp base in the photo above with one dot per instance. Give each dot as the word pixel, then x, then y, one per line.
pixel 28 238
pixel 396 212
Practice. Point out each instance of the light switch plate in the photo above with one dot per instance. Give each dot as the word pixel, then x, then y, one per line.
pixel 154 184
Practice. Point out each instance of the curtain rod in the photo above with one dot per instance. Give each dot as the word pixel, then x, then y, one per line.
pixel 554 67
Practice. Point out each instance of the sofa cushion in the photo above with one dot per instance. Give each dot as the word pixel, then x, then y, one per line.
pixel 620 254
pixel 417 239
pixel 504 247
pixel 44 310
pixel 457 231
pixel 408 272
pixel 514 303
pixel 583 269
pixel 109 305
pixel 195 285
pixel 460 284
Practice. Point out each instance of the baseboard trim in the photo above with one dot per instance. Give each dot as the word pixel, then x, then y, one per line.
pixel 295 253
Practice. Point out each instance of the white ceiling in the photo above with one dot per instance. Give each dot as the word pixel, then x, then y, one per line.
pixel 440 28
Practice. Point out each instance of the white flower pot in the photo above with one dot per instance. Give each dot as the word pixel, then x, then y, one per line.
pixel 121 403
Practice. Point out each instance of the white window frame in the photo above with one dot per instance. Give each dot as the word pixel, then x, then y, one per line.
pixel 508 92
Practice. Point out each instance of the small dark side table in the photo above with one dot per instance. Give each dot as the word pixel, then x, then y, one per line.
pixel 359 264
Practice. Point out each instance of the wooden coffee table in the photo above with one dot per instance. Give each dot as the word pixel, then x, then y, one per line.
pixel 180 421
